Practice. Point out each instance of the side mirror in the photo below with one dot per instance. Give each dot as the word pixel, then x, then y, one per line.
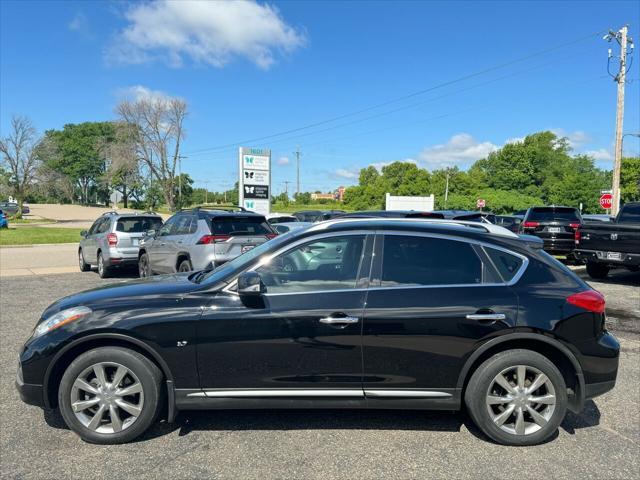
pixel 84 234
pixel 150 233
pixel 250 284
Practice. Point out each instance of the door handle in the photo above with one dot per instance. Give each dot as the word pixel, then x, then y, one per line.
pixel 486 316
pixel 339 320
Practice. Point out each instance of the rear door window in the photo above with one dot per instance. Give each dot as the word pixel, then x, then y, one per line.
pixel 550 214
pixel 416 260
pixel 138 224
pixel 238 226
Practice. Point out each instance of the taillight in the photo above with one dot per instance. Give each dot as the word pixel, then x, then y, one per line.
pixel 589 300
pixel 112 238
pixel 208 239
pixel 530 224
pixel 577 236
pixel 271 235
pixel 574 225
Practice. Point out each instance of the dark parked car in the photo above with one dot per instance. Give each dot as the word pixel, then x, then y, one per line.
pixel 361 313
pixel 510 222
pixel 468 215
pixel 556 226
pixel 316 215
pixel 607 245
pixel 10 208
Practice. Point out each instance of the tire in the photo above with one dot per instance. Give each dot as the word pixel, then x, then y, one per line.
pixel 144 269
pixel 185 266
pixel 141 407
pixel 84 267
pixel 483 395
pixel 597 271
pixel 103 270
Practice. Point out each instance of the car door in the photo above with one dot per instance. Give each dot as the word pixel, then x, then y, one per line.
pixel 158 250
pixel 431 300
pixel 89 244
pixel 302 338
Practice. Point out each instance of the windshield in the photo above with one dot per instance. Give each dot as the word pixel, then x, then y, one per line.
pixel 553 215
pixel 243 261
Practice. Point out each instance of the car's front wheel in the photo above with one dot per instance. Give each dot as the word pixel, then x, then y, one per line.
pixel 517 397
pixel 110 395
pixel 84 266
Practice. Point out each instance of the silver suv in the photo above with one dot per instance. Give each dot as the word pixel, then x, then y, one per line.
pixel 201 239
pixel 113 240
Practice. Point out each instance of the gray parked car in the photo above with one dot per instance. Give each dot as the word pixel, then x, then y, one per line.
pixel 113 240
pixel 201 239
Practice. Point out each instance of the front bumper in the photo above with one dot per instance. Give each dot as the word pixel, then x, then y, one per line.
pixel 29 393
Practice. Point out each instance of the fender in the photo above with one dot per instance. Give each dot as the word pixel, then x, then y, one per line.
pixel 114 336
pixel 575 405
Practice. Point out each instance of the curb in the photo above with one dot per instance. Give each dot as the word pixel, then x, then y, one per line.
pixel 37 245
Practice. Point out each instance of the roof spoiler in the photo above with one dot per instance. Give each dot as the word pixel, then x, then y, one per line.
pixel 532 241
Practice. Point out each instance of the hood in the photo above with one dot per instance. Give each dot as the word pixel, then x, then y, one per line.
pixel 147 288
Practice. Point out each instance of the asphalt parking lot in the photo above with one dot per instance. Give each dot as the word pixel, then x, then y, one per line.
pixel 602 442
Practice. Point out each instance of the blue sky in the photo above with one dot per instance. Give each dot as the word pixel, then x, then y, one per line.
pixel 252 70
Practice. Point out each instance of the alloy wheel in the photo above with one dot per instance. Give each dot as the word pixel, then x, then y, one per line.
pixel 107 397
pixel 143 267
pixel 100 265
pixel 81 259
pixel 521 400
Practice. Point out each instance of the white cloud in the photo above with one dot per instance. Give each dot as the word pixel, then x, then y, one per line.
pixel 380 165
pixel 206 32
pixel 461 150
pixel 140 92
pixel 349 174
pixel 282 161
pixel 600 155
pixel 78 22
pixel 576 139
pixel 514 140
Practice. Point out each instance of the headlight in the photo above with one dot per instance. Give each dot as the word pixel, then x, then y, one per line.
pixel 61 318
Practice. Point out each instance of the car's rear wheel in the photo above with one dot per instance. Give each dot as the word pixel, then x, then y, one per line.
pixel 110 395
pixel 597 271
pixel 103 270
pixel 84 266
pixel 185 266
pixel 144 269
pixel 517 397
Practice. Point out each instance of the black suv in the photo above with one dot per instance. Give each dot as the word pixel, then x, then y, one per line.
pixel 353 313
pixel 556 226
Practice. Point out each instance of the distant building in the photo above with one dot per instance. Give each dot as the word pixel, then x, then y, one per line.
pixel 338 195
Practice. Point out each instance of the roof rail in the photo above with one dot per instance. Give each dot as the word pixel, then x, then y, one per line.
pixel 485 227
pixel 111 212
pixel 215 207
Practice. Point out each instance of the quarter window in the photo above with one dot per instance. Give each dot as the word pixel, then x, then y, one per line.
pixel 327 264
pixel 506 263
pixel 414 260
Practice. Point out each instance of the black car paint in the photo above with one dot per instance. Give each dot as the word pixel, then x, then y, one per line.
pixel 409 338
pixel 561 242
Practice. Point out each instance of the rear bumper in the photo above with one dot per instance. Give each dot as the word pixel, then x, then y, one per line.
pixel 558 245
pixel 118 257
pixel 597 256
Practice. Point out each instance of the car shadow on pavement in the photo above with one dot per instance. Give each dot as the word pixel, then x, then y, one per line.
pixel 616 277
pixel 417 420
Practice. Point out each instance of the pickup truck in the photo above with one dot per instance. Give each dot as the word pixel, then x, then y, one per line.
pixel 612 244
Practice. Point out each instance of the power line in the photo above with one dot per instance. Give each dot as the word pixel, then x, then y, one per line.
pixel 404 97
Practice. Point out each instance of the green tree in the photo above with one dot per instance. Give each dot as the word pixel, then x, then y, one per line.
pixel 630 179
pixel 81 153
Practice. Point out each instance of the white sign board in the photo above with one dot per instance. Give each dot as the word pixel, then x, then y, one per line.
pixel 254 180
pixel 419 204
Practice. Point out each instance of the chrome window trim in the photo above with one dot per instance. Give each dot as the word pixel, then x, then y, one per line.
pixel 471 241
pixel 483 244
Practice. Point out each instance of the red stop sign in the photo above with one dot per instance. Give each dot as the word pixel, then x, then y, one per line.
pixel 606 199
pixel 480 203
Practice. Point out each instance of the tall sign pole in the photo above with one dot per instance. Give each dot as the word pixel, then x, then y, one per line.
pixel 622 39
pixel 254 180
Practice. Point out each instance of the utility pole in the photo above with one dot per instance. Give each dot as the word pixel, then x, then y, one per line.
pixel 180 157
pixel 446 191
pixel 286 187
pixel 298 154
pixel 622 39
